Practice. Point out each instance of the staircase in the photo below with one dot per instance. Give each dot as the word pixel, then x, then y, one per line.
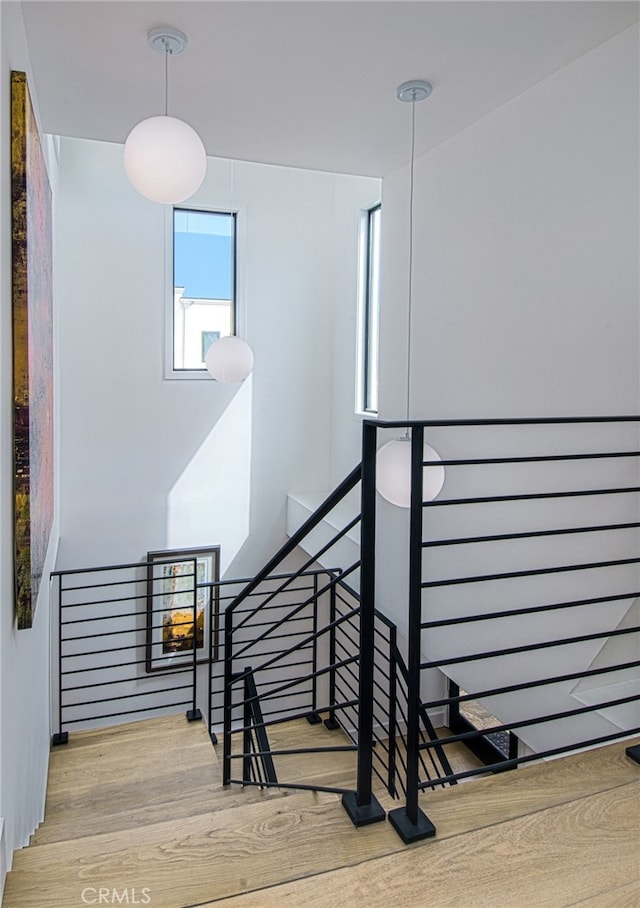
pixel 137 815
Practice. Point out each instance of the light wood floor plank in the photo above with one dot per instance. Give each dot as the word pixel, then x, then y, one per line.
pixel 76 824
pixel 188 861
pixel 547 860
pixel 531 788
pixel 620 897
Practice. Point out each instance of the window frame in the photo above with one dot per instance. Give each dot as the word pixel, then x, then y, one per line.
pixel 365 313
pixel 190 374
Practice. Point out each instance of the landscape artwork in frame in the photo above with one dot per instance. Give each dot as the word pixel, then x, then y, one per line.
pixel 32 310
pixel 171 587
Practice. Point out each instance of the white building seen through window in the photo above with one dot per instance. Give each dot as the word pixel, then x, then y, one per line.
pixel 204 279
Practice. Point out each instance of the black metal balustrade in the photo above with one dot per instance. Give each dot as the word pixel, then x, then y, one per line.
pixel 105 646
pixel 523 573
pixel 487 566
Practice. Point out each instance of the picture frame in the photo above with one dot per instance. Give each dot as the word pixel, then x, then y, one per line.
pixel 32 316
pixel 170 600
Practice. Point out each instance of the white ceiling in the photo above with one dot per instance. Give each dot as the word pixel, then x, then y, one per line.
pixel 300 82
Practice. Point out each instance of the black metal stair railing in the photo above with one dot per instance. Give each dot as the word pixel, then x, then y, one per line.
pixel 105 648
pixel 358 675
pixel 260 633
pixel 529 557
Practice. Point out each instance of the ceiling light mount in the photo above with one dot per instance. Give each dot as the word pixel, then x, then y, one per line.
pixel 414 90
pixel 166 39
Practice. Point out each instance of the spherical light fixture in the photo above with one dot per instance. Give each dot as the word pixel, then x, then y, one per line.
pixel 229 359
pixel 164 157
pixel 393 472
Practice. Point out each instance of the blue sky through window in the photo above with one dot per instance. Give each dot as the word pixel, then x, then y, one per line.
pixel 203 254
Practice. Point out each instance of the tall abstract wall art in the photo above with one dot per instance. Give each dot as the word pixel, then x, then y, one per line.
pixel 32 351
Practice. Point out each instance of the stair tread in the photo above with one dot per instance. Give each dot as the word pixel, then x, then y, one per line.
pixel 532 787
pixel 596 833
pixel 74 824
pixel 213 855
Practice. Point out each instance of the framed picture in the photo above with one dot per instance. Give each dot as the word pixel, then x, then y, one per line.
pixel 171 588
pixel 32 304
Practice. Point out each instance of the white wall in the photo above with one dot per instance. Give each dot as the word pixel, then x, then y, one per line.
pixel 526 286
pixel 526 254
pixel 24 655
pixel 353 196
pixel 149 463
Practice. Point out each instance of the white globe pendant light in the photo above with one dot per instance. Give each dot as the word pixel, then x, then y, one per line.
pixel 393 472
pixel 393 461
pixel 164 157
pixel 229 359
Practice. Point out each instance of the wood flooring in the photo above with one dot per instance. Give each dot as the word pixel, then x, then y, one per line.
pixel 137 815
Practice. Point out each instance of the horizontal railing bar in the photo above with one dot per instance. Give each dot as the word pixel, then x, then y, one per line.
pixel 297 715
pixel 306 710
pixel 535 458
pixel 124 712
pixel 527 685
pixel 115 567
pixel 93 668
pixel 295 787
pixel 528 610
pixel 530 534
pixel 144 597
pixel 138 597
pixel 527 723
pixel 516 421
pixel 97 619
pixel 112 649
pixel 126 630
pixel 533 572
pixel 529 647
pixel 141 693
pixel 530 496
pixel 171 559
pixel 298 751
pixel 511 763
pixel 155 674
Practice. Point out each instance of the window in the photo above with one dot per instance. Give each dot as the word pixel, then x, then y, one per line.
pixel 204 280
pixel 369 311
